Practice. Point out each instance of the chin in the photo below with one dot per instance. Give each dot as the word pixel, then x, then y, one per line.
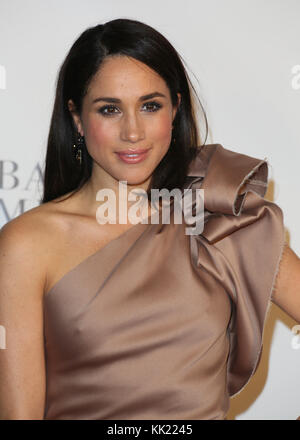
pixel 134 181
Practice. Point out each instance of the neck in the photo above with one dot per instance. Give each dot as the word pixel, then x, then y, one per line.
pixel 106 196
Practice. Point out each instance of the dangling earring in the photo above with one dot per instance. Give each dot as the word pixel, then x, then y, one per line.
pixel 174 138
pixel 78 151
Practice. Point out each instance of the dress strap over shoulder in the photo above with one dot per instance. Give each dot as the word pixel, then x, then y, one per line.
pixel 226 173
pixel 233 184
pixel 241 246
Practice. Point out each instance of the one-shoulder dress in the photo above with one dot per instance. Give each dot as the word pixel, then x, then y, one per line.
pixel 159 324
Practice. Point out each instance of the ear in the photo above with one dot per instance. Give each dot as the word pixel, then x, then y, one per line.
pixel 175 109
pixel 75 116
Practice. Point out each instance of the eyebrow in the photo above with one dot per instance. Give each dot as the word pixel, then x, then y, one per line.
pixel 118 101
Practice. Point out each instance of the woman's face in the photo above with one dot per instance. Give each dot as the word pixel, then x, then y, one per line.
pixel 116 116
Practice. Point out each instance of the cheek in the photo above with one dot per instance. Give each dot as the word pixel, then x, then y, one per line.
pixel 162 129
pixel 98 133
pixel 105 134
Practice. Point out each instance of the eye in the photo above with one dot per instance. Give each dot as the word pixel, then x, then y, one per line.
pixel 110 110
pixel 102 110
pixel 154 105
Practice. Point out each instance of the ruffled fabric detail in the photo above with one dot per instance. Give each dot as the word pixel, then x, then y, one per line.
pixel 241 247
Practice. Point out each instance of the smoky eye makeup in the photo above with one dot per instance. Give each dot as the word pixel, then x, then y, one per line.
pixel 110 109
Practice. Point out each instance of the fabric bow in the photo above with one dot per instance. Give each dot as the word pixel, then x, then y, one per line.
pixel 234 186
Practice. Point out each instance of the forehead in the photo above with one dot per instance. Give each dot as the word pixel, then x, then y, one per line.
pixel 125 76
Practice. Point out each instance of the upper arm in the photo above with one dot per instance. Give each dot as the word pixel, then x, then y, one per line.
pixel 22 363
pixel 286 293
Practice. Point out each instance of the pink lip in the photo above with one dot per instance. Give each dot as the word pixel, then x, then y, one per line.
pixel 142 154
pixel 137 151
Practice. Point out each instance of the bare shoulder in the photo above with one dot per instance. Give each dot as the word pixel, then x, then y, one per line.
pixel 35 227
pixel 25 244
pixel 29 230
pixel 29 240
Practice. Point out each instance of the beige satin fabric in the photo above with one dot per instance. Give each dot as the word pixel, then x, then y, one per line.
pixel 162 325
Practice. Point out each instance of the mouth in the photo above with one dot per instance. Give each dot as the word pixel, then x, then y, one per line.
pixel 133 156
pixel 133 151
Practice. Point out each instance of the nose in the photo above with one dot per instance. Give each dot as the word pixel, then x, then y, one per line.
pixel 132 129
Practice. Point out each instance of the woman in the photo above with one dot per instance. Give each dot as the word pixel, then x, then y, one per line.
pixel 143 321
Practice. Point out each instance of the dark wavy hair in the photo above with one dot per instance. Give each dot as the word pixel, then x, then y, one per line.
pixel 63 173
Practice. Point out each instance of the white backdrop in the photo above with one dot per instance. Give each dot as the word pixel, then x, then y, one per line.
pixel 243 57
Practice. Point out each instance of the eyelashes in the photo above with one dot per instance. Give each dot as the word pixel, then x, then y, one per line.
pixel 108 110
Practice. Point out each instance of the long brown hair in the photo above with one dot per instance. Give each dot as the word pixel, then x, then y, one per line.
pixel 63 173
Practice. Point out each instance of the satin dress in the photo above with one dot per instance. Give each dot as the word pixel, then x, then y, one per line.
pixel 159 324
